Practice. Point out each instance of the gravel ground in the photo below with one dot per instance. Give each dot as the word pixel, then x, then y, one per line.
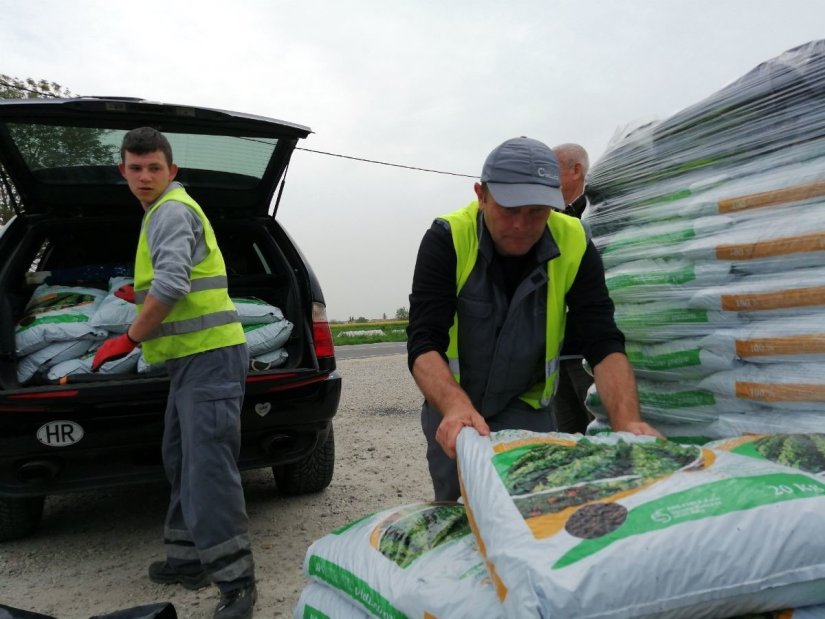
pixel 90 555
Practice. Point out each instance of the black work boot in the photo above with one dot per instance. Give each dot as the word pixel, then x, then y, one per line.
pixel 237 604
pixel 163 573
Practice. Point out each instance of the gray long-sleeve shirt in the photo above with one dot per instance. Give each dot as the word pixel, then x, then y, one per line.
pixel 176 242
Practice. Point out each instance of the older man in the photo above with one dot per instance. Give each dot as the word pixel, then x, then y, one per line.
pixel 571 414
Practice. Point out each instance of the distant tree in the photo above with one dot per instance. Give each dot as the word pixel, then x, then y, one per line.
pixel 402 313
pixel 43 146
pixel 361 319
pixel 384 316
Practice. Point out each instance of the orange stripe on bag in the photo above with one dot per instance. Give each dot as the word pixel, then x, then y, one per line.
pixel 780 393
pixel 790 345
pixel 498 583
pixel 798 297
pixel 800 244
pixel 771 198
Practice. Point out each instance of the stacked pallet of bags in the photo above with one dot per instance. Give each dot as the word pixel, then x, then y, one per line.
pixel 619 526
pixel 62 327
pixel 711 226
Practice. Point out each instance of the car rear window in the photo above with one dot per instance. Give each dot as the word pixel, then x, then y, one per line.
pixel 83 155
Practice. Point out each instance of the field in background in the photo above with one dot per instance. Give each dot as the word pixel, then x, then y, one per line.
pixel 371 332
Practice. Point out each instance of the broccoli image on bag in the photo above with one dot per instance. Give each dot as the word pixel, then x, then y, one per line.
pixel 805 452
pixel 405 539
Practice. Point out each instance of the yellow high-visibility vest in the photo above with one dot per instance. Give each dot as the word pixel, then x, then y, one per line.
pixel 205 318
pixel 570 237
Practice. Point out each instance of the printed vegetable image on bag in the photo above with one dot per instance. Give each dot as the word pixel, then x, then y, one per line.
pixel 57 314
pixel 406 535
pixel 623 526
pixel 549 481
pixel 800 451
pixel 418 560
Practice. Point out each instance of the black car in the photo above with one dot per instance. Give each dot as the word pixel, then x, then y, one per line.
pixel 75 223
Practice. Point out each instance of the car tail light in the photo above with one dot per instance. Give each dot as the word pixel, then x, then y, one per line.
pixel 321 333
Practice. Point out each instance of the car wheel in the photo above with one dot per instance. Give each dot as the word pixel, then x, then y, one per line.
pixel 19 517
pixel 311 474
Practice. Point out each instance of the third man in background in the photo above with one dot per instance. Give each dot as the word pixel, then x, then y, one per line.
pixel 571 414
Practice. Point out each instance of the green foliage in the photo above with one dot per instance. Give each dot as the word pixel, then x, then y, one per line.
pixel 390 331
pixel 402 313
pixel 14 88
pixel 45 146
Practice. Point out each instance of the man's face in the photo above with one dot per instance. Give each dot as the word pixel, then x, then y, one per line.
pixel 514 230
pixel 572 182
pixel 147 175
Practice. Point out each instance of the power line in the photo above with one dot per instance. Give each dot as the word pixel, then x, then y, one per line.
pixel 394 165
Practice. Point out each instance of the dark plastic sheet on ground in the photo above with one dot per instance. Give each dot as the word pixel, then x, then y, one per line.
pixel 161 610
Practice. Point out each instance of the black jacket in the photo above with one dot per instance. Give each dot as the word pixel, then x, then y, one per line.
pixel 433 299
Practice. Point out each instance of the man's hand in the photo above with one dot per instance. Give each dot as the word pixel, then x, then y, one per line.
pixel 639 428
pixel 616 385
pixel 452 424
pixel 113 349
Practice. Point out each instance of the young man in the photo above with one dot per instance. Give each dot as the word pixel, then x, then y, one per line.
pixel 187 320
pixel 487 311
pixel 572 415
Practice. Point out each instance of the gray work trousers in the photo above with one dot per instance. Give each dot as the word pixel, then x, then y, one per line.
pixel 572 415
pixel 206 523
pixel 443 471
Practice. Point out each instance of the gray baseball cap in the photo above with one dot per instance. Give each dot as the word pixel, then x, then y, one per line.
pixel 523 172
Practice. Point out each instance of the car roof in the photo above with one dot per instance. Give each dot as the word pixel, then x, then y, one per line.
pixel 61 155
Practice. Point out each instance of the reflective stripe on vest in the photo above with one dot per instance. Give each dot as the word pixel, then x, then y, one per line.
pixel 204 283
pixel 571 240
pixel 205 318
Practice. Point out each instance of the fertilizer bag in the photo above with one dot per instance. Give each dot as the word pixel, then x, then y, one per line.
pixel 622 526
pixel 417 560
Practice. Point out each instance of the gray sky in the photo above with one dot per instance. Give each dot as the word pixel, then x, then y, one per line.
pixel 432 84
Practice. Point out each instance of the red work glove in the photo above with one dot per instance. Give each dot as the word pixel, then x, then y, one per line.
pixel 126 292
pixel 113 349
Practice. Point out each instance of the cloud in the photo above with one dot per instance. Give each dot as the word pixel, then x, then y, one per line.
pixel 425 83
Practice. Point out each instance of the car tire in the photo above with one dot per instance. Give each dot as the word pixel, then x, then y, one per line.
pixel 311 474
pixel 19 517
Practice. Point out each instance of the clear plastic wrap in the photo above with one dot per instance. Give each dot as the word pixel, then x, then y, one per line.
pixel 711 225
pixel 775 106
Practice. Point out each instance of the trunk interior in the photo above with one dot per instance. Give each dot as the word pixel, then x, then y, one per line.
pixel 252 249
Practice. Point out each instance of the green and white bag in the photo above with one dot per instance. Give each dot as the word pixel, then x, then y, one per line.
pixel 414 561
pixel 254 311
pixel 622 526
pixel 57 314
pixel 318 601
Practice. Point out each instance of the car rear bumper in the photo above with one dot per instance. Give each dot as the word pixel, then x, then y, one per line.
pixel 120 444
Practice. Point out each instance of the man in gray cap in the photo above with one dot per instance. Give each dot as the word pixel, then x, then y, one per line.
pixel 491 285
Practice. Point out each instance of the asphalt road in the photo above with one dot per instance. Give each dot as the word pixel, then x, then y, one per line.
pixel 365 351
pixel 90 554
